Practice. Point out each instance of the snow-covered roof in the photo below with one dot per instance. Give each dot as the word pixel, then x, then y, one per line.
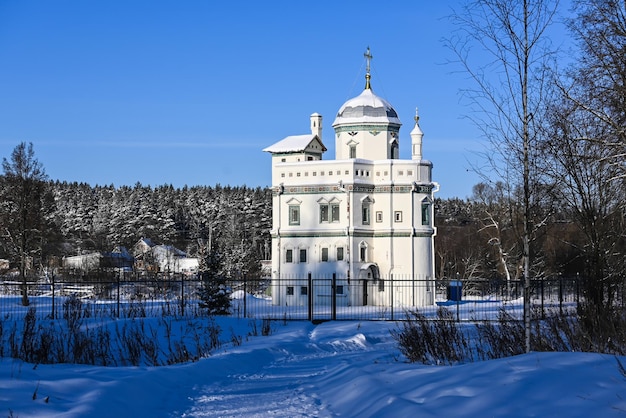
pixel 146 241
pixel 168 249
pixel 293 143
pixel 367 107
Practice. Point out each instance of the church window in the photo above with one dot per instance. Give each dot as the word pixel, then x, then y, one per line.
pixel 381 285
pixel 289 290
pixel 282 174
pixel 289 256
pixel 340 290
pixel 347 172
pixel 329 212
pixel 294 215
pixel 303 255
pixel 324 254
pixel 303 291
pixel 379 216
pixel 339 253
pixel 365 214
pixel 309 158
pixel 352 151
pixel 323 213
pixel 425 213
pixel 409 172
pixel 334 213
pixel 398 216
pixel 282 160
pixel 395 151
pixel 363 253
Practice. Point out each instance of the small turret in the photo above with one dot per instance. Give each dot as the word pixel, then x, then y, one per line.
pixel 316 125
pixel 416 139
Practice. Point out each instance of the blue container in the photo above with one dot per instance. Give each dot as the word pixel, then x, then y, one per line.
pixel 455 290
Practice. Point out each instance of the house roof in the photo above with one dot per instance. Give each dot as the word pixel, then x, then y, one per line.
pixel 147 241
pixel 294 143
pixel 169 249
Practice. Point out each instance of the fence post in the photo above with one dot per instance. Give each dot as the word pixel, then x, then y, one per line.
pixel 182 294
pixel 578 290
pixel 391 289
pixel 334 297
pixel 118 296
pixel 53 309
pixel 310 297
pixel 561 295
pixel 245 293
pixel 543 312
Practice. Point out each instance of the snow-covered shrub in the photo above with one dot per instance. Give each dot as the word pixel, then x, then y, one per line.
pixel 432 342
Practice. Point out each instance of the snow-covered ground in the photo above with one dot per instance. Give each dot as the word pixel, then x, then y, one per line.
pixel 332 369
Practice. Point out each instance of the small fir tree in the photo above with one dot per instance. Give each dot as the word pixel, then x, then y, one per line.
pixel 213 293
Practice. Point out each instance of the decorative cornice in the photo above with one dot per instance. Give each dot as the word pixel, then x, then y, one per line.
pixel 355 234
pixel 360 188
pixel 424 188
pixel 382 127
pixel 295 234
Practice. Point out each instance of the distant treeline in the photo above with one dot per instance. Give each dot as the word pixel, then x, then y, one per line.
pixel 474 238
pixel 88 218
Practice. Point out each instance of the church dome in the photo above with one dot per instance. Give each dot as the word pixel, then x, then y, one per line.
pixel 366 108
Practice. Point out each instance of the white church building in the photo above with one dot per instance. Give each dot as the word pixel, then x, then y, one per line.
pixel 364 218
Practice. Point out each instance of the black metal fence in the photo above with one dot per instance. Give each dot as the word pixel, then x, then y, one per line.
pixel 303 298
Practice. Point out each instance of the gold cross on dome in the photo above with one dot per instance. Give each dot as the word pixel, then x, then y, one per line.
pixel 368 56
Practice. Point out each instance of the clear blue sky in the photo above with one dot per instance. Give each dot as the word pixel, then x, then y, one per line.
pixel 190 92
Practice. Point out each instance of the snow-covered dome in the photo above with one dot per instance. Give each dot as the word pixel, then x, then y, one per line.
pixel 366 108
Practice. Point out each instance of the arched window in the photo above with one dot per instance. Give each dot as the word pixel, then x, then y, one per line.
pixel 363 252
pixel 288 255
pixel 395 150
pixel 426 208
pixel 366 210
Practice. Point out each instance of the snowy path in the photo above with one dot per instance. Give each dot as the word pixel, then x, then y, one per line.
pixel 280 383
pixel 347 369
pixel 352 369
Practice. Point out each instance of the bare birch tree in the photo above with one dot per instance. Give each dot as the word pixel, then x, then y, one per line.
pixel 510 36
pixel 588 144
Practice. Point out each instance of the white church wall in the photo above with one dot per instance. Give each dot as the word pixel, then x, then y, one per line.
pixel 387 260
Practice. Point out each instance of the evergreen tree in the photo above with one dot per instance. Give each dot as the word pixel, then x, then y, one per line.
pixel 213 293
pixel 25 203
